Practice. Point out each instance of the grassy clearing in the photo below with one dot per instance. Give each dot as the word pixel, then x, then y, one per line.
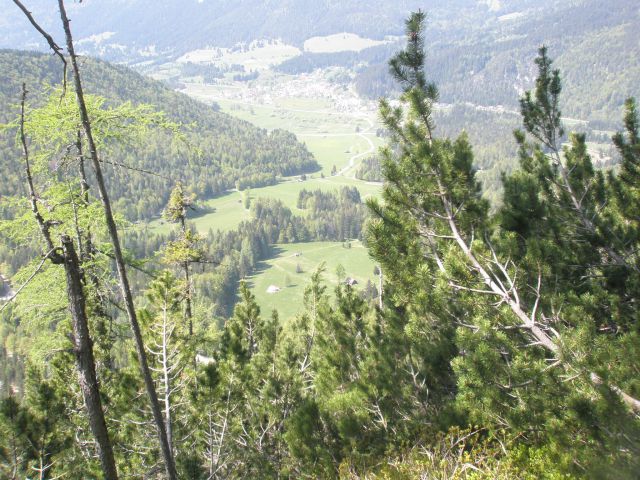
pixel 332 138
pixel 305 103
pixel 340 42
pixel 222 213
pixel 280 271
pixel 225 213
pixel 335 151
pixel 259 55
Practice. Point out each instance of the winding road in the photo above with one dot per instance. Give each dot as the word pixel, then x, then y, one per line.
pixel 363 135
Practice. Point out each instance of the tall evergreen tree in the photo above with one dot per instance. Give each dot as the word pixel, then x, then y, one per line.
pixel 170 352
pixel 185 249
pixel 516 322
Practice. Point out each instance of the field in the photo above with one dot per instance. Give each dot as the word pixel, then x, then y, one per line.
pixel 340 42
pixel 339 130
pixel 298 115
pixel 280 271
pixel 225 213
pixel 257 56
pixel 336 138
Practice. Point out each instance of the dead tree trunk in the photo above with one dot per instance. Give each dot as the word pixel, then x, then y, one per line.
pixel 83 351
pixel 166 366
pixel 187 276
pixel 111 227
pixel 117 250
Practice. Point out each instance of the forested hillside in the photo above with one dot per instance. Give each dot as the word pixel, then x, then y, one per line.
pixel 477 49
pixel 499 341
pixel 177 26
pixel 487 65
pixel 217 150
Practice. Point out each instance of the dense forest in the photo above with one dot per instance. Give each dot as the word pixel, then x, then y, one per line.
pixel 214 152
pixel 487 65
pixel 490 66
pixel 503 343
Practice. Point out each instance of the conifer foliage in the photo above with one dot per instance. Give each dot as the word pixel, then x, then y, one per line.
pixel 538 297
pixel 506 343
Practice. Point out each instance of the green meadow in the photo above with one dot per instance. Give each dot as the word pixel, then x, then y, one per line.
pixel 334 151
pixel 281 271
pixel 296 115
pixel 336 139
pixel 225 213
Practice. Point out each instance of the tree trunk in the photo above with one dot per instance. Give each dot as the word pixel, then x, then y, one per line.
pixel 83 351
pixel 188 312
pixel 380 301
pixel 117 250
pixel 166 376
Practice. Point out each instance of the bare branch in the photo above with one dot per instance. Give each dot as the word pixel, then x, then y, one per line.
pixel 52 44
pixel 135 169
pixel 475 290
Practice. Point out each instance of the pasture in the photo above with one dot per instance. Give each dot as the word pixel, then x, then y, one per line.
pixel 281 271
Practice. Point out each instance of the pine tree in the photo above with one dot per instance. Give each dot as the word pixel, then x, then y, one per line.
pixel 169 351
pixel 251 391
pixel 626 185
pixel 34 435
pixel 186 249
pixel 508 315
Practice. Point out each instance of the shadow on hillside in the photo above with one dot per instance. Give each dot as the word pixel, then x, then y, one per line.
pixel 200 211
pixel 262 265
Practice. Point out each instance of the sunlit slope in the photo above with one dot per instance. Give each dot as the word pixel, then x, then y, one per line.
pixel 218 149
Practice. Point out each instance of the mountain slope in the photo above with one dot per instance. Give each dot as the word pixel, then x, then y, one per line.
pixel 146 28
pixel 177 26
pixel 479 51
pixel 233 150
pixel 493 63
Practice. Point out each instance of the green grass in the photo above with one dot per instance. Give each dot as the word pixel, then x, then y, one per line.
pixel 293 114
pixel 331 137
pixel 222 213
pixel 281 272
pixel 335 151
pixel 226 212
pixel 304 103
